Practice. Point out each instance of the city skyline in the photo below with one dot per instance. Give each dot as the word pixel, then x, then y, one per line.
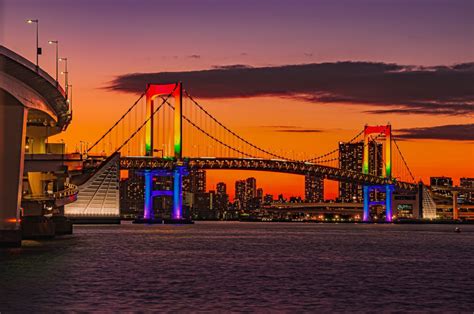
pixel 95 51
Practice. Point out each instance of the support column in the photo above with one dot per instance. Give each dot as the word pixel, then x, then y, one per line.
pixel 178 193
pixel 178 121
pixel 388 202
pixel 366 216
pixel 12 152
pixel 365 170
pixel 148 212
pixel 149 127
pixel 455 205
pixel 388 151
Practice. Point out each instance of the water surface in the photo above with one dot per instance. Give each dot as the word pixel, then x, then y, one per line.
pixel 223 266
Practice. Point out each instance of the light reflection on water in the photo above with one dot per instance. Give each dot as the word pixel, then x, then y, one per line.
pixel 243 267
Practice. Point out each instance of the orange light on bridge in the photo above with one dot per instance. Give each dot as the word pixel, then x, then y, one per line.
pixel 12 220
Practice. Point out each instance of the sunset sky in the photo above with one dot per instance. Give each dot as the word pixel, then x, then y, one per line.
pixel 323 68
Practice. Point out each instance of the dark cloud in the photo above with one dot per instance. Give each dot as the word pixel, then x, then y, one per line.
pixel 390 88
pixel 194 56
pixel 454 132
pixel 231 67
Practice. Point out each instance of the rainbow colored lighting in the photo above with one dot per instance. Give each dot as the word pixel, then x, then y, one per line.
pixel 366 215
pixel 148 212
pixel 153 91
pixel 178 193
pixel 387 131
pixel 379 129
pixel 388 202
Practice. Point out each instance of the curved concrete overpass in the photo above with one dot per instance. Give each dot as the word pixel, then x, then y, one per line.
pixel 31 105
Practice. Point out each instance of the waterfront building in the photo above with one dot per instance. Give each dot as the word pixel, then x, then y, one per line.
pixel 204 206
pixel 131 194
pixel 467 197
pixel 441 181
pixel 313 189
pixel 268 199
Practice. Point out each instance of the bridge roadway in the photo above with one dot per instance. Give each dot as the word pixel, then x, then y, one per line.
pixel 271 165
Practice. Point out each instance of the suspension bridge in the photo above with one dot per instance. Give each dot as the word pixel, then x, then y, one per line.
pixel 162 132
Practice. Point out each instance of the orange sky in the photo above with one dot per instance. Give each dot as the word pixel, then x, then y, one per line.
pixel 100 45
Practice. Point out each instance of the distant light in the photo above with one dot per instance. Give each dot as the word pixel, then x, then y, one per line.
pixel 31 21
pixel 52 42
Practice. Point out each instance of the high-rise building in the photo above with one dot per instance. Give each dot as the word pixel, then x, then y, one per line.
pixel 313 188
pixel 246 194
pixel 195 182
pixel 260 194
pixel 204 206
pixel 240 194
pixel 350 158
pixel 250 188
pixel 222 198
pixel 441 181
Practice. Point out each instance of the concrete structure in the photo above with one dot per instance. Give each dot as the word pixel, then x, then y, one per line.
pixel 98 194
pixel 32 108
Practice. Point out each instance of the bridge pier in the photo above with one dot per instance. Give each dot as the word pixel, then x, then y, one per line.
pixel 12 147
pixel 388 203
pixel 177 213
pixel 148 213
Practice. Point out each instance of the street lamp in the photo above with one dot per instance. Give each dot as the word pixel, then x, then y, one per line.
pixel 65 75
pixel 38 49
pixel 70 98
pixel 57 48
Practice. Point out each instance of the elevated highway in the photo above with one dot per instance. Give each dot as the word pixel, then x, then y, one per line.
pixel 32 107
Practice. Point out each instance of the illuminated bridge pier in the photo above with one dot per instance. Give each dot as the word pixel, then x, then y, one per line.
pixel 179 168
pixel 371 191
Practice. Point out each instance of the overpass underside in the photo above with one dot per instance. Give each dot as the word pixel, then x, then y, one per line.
pixel 32 108
pixel 12 145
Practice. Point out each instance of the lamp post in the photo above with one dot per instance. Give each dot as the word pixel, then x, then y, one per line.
pixel 70 98
pixel 38 49
pixel 66 82
pixel 57 58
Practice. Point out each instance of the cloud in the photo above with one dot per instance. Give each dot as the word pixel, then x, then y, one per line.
pixel 194 56
pixel 231 67
pixel 389 88
pixel 454 132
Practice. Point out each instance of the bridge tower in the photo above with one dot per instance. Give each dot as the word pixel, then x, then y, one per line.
pixel 386 130
pixel 176 91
